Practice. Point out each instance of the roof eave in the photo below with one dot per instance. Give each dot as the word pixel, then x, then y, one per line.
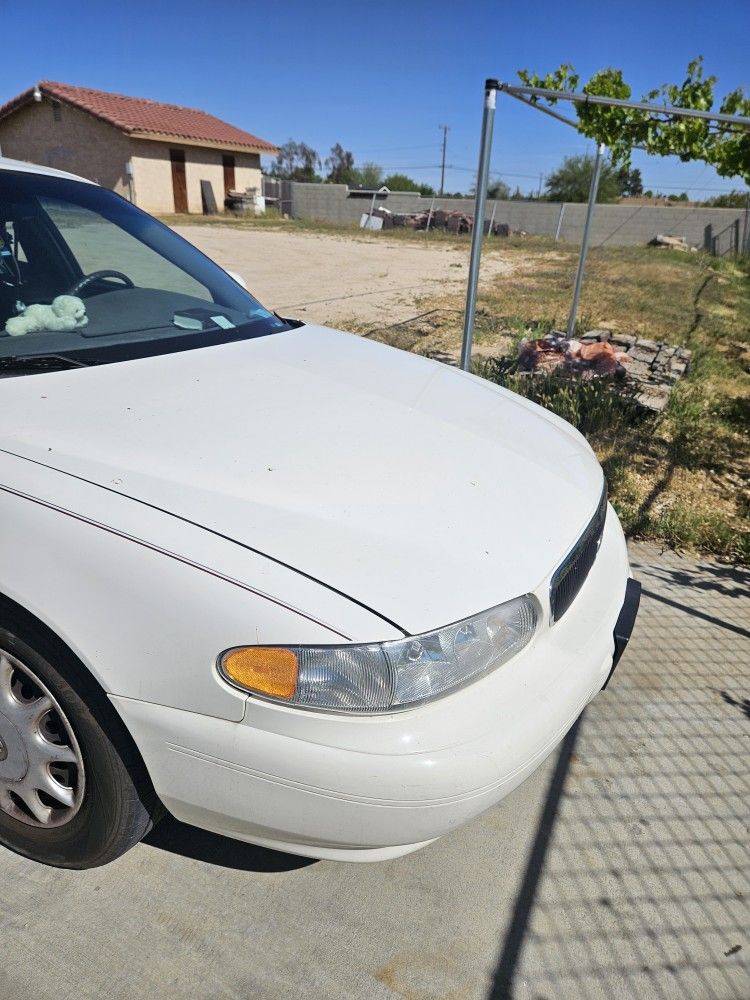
pixel 205 143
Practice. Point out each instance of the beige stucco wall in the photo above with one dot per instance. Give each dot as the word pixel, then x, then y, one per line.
pixel 79 143
pixel 152 174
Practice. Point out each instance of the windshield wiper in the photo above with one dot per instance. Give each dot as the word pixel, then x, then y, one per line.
pixel 39 363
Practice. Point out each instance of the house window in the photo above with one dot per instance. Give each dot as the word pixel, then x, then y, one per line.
pixel 56 111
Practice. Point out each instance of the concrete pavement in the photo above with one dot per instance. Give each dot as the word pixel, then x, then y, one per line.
pixel 619 870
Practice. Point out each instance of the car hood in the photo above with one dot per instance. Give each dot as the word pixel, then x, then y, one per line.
pixel 422 492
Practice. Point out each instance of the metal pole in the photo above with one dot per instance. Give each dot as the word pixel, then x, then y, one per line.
pixel 483 170
pixel 593 189
pixel 559 222
pixel 442 168
pixel 372 209
pixel 429 216
pixel 492 218
pixel 616 102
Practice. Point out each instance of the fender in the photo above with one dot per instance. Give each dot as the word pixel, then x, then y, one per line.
pixel 145 601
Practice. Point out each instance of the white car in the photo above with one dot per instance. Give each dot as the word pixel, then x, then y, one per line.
pixel 292 586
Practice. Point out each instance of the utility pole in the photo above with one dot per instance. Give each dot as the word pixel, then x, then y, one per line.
pixel 442 168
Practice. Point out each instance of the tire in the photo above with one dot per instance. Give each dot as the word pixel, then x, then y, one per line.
pixel 84 797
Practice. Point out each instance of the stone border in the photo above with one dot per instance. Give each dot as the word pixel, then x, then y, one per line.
pixel 653 367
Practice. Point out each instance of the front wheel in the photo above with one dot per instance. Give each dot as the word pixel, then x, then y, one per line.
pixel 72 792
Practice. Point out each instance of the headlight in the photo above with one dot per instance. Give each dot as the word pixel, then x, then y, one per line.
pixel 381 677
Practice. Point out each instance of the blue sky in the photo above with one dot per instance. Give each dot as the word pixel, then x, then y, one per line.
pixel 381 77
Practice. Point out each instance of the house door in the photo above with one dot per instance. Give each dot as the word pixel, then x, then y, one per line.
pixel 179 181
pixel 229 182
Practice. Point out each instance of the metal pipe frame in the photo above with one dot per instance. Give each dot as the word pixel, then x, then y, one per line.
pixel 593 191
pixel 477 233
pixel 523 94
pixel 616 102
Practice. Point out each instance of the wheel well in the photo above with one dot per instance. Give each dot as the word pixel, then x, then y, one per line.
pixel 46 642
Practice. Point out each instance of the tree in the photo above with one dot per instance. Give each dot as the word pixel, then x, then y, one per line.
pixel 296 161
pixel 401 182
pixel 572 180
pixel 369 175
pixel 724 146
pixel 630 182
pixel 340 165
pixel 732 199
pixel 498 191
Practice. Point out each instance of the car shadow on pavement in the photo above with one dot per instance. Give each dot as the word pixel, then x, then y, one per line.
pixel 213 849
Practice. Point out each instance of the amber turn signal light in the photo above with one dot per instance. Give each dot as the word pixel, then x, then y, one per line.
pixel 262 669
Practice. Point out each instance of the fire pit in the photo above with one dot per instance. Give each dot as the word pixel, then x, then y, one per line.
pixel 648 369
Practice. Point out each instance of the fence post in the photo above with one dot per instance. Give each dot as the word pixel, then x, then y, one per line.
pixel 429 216
pixel 593 190
pixel 372 209
pixel 559 222
pixel 736 233
pixel 477 233
pixel 708 237
pixel 492 218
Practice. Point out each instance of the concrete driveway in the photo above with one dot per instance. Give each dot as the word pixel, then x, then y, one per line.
pixel 620 869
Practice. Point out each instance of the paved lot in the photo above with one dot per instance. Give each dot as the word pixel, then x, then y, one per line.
pixel 329 279
pixel 619 870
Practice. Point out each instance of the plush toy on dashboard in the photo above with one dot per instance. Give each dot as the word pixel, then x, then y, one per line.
pixel 66 313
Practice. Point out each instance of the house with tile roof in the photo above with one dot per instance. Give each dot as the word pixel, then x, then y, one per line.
pixel 154 154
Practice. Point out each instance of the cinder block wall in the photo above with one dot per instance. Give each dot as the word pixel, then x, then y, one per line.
pixel 74 141
pixel 614 225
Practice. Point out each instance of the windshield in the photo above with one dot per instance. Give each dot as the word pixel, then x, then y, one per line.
pixel 85 275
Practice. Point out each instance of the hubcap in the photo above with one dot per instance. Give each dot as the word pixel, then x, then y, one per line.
pixel 41 768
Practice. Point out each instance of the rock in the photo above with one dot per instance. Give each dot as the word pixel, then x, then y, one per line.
pixel 623 340
pixel 669 242
pixel 638 369
pixel 654 397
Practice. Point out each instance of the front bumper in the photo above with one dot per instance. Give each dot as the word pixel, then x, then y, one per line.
pixel 367 788
pixel 624 624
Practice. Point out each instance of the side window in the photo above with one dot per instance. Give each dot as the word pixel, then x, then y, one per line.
pixel 99 245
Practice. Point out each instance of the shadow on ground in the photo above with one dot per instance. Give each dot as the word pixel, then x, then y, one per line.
pixel 637 881
pixel 213 849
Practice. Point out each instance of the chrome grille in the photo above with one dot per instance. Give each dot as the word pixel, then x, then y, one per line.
pixel 570 575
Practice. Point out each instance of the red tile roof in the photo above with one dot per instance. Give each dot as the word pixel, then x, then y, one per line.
pixel 137 115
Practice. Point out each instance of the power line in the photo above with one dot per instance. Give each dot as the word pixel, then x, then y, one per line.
pixel 393 149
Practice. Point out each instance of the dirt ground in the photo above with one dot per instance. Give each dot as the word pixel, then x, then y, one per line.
pixel 329 279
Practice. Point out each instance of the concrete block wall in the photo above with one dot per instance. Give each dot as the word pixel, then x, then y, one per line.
pixel 69 140
pixel 614 225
